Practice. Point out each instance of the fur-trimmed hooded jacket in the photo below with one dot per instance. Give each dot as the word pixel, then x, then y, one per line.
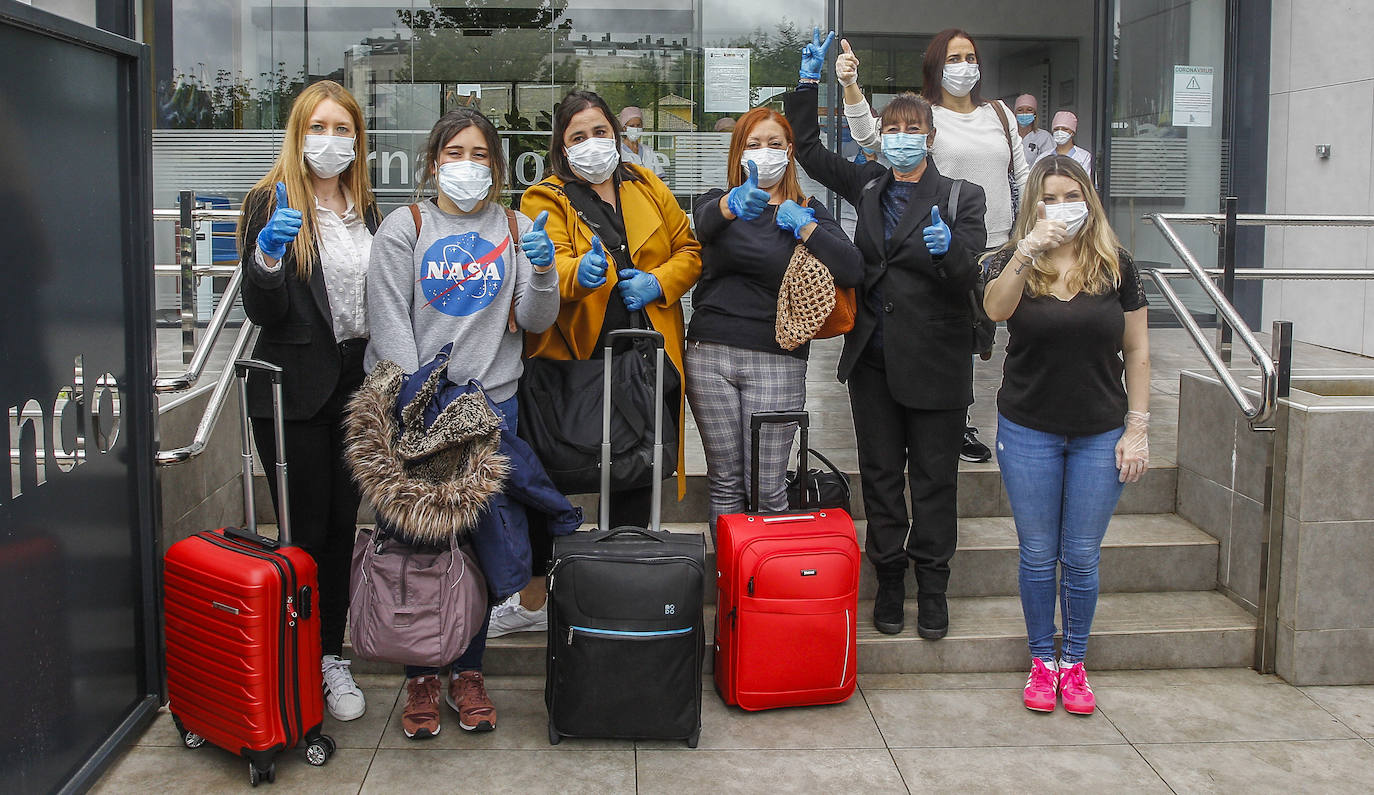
pixel 429 484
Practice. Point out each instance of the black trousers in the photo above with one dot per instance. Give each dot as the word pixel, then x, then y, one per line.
pixel 324 499
pixel 893 438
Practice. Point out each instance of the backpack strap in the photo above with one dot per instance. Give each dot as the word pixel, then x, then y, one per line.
pixel 415 213
pixel 954 202
pixel 1006 130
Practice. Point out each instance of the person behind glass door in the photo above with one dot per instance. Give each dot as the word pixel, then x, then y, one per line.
pixel 306 233
pixel 601 285
pixel 634 148
pixel 1065 129
pixel 1033 139
pixel 735 366
pixel 906 362
pixel 412 320
pixel 1070 434
pixel 977 142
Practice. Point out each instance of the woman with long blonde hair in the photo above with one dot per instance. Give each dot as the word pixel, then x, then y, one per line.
pixel 1070 433
pixel 305 236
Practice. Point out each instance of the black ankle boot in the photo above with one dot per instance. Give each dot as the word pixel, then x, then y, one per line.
pixel 932 620
pixel 889 605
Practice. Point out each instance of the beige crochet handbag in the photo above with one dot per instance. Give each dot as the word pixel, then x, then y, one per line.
pixel 809 305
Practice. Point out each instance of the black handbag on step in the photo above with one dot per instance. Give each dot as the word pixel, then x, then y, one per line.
pixel 825 488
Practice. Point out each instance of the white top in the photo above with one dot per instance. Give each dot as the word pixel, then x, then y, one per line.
pixel 969 146
pixel 1037 142
pixel 1084 158
pixel 644 157
pixel 344 245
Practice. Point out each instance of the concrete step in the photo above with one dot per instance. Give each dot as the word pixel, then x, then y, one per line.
pixel 980 494
pixel 1201 629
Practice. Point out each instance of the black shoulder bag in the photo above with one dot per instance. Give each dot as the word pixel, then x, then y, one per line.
pixel 984 327
pixel 561 400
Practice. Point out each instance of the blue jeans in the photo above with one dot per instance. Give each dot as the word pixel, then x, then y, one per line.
pixel 1063 490
pixel 471 658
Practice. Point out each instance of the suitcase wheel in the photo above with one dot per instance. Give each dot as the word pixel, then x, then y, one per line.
pixel 189 738
pixel 257 775
pixel 554 737
pixel 319 750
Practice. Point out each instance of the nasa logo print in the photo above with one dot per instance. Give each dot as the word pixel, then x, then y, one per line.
pixel 462 274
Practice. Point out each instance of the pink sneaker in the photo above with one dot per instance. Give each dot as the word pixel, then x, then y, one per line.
pixel 1075 690
pixel 1040 686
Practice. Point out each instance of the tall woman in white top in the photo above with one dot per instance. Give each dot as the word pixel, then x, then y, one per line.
pixel 306 234
pixel 978 140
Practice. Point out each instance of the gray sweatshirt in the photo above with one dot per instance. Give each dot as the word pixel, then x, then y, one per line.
pixel 457 284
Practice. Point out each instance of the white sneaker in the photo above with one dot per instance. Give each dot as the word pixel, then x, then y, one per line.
pixel 341 694
pixel 509 617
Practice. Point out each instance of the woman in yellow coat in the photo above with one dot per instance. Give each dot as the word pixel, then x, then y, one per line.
pixel 600 284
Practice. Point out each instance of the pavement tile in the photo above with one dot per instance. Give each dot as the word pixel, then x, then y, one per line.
pixel 1075 768
pixel 145 769
pixel 595 772
pixel 1353 706
pixel 979 718
pixel 366 731
pixel 977 681
pixel 866 771
pixel 847 725
pixel 1325 766
pixel 522 722
pixel 1216 713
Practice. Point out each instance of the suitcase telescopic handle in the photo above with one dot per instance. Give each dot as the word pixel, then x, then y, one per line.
pixel 242 369
pixel 756 422
pixel 656 500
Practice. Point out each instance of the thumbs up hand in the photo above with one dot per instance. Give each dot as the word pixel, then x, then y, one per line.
pixel 813 55
pixel 1045 235
pixel 536 244
pixel 591 269
pixel 748 200
pixel 937 234
pixel 281 228
pixel 846 65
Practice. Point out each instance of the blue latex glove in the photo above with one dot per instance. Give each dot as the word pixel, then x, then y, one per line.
pixel 747 200
pixel 638 288
pixel 591 269
pixel 794 217
pixel 937 234
pixel 813 55
pixel 536 244
pixel 281 228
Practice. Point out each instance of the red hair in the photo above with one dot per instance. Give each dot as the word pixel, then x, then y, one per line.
pixel 791 188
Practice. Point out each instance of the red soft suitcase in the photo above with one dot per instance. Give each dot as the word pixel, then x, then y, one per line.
pixel 786 609
pixel 243 628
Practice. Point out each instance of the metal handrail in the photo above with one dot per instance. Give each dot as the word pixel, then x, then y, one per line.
pixel 1262 219
pixel 207 342
pixel 203 214
pixel 210 416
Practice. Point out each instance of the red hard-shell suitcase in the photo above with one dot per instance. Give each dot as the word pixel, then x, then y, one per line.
pixel 786 623
pixel 243 628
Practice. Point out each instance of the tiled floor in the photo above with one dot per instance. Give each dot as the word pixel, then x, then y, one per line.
pixel 1210 730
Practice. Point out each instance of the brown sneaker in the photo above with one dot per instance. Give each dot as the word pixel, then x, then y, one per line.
pixel 467 694
pixel 420 719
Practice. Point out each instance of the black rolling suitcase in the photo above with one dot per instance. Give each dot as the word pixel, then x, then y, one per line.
pixel 625 617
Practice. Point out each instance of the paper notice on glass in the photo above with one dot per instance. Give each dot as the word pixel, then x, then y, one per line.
pixel 727 80
pixel 1193 96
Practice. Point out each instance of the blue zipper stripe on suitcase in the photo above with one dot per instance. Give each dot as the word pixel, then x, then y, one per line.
pixel 643 634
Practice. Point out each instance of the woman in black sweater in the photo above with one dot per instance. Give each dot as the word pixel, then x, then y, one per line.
pixel 734 364
pixel 907 360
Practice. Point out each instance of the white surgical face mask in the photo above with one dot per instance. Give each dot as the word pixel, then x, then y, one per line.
pixel 1061 137
pixel 772 164
pixel 465 183
pixel 594 159
pixel 960 78
pixel 328 155
pixel 1072 214
pixel 633 133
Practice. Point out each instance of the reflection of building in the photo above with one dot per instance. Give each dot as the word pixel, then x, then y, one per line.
pixel 676 115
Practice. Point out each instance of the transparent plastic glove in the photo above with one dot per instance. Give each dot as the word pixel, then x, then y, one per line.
pixel 813 55
pixel 281 228
pixel 747 200
pixel 794 217
pixel 1133 448
pixel 846 65
pixel 937 234
pixel 638 288
pixel 1045 235
pixel 536 243
pixel 591 269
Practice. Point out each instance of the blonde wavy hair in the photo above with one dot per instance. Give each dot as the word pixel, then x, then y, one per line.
pixel 1096 246
pixel 292 170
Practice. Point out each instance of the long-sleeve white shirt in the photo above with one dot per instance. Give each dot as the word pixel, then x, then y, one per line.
pixel 969 146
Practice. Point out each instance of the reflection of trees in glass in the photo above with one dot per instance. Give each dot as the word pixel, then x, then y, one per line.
pixel 477 45
pixel 229 101
pixel 774 60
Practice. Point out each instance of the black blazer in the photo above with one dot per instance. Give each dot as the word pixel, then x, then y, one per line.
pixel 928 321
pixel 297 332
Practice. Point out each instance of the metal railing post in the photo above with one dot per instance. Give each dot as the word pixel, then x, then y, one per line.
pixel 1275 488
pixel 186 258
pixel 1228 274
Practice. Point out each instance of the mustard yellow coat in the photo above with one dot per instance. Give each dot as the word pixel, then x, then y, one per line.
pixel 661 243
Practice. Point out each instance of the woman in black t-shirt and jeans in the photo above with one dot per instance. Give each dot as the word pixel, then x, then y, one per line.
pixel 1070 435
